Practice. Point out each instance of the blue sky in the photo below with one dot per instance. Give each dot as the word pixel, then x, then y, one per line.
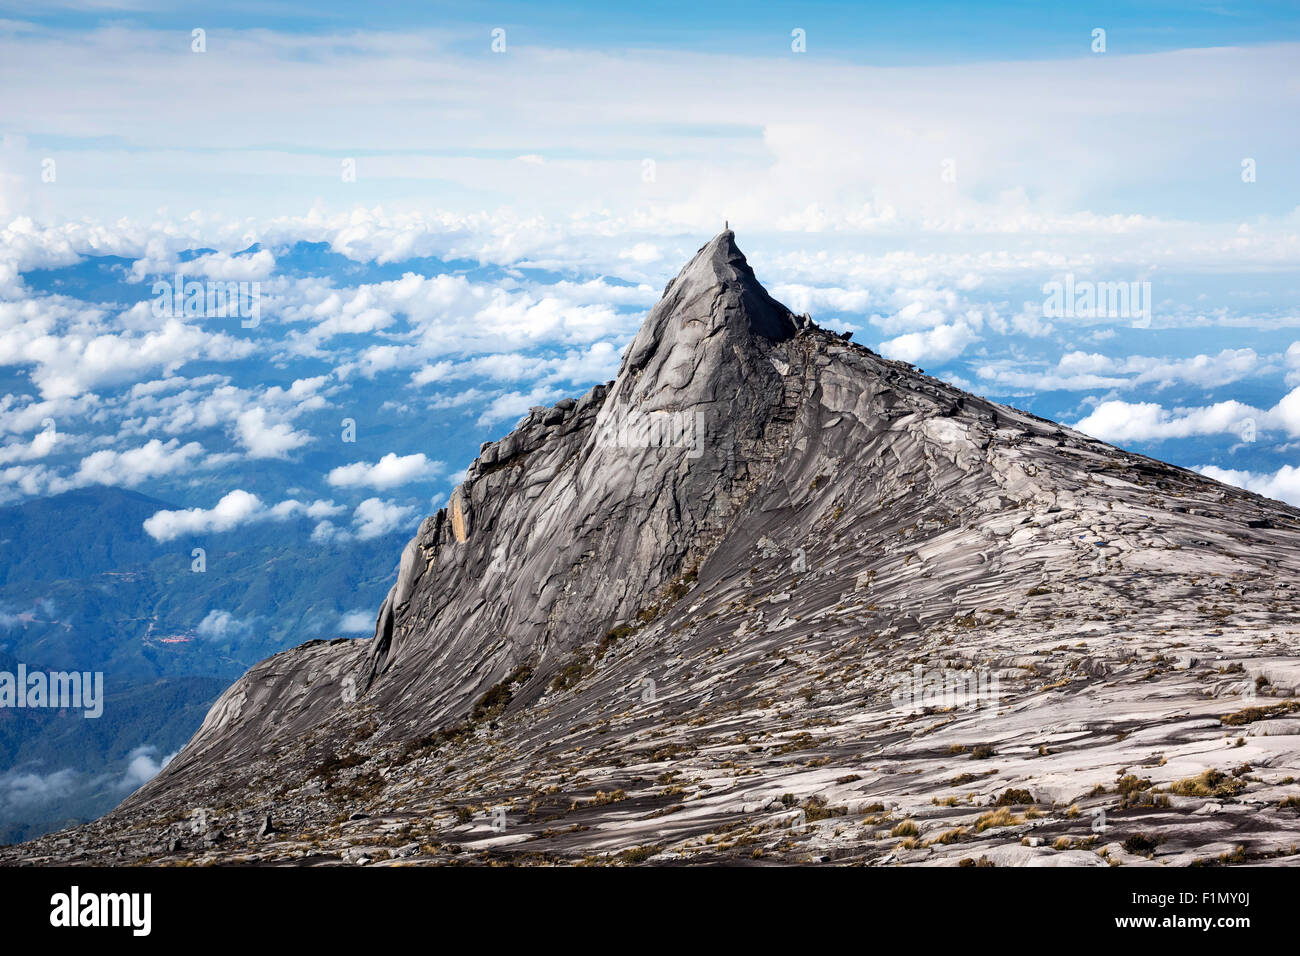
pixel 882 33
pixel 443 235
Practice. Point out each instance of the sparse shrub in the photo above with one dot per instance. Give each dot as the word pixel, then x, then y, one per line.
pixel 1011 798
pixel 570 674
pixel 1001 817
pixel 815 808
pixel 951 836
pixel 638 854
pixel 1141 844
pixel 1211 783
pixel 1251 714
pixel 905 828
pixel 494 702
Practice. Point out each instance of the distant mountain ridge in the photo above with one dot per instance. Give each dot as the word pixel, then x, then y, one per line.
pixel 76 533
pixel 83 587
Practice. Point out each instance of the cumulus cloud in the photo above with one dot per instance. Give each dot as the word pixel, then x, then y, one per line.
pixel 225 267
pixel 375 517
pixel 1078 370
pixel 1282 485
pixel 802 297
pixel 71 348
pixel 642 252
pixel 128 468
pixel 1116 420
pixel 513 405
pixel 1119 421
pixel 235 509
pixel 39 447
pixel 260 420
pixel 940 344
pixel 160 259
pixel 142 766
pixel 449 314
pixel 153 459
pixel 598 362
pixel 1292 361
pixel 21 414
pixel 372 518
pixel 222 625
pixel 390 471
pixel 26 790
pixel 361 621
pixel 266 439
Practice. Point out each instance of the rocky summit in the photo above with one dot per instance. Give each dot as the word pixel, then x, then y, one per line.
pixel 768 597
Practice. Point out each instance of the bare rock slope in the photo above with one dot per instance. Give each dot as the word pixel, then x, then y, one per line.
pixel 768 596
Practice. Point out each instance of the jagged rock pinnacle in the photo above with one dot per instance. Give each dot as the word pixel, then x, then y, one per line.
pixel 704 330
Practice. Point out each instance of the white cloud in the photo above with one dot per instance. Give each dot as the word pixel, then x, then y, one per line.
pixel 160 259
pixel 142 766
pixel 940 344
pixel 129 468
pixel 220 625
pixel 642 253
pixel 801 297
pixel 599 362
pixel 258 419
pixel 390 471
pixel 250 267
pixel 1078 370
pixel 20 789
pixel 372 518
pixel 39 447
pixel 1032 137
pixel 1119 421
pixel 1282 485
pixel 375 517
pixel 513 405
pixel 17 419
pixel 264 439
pixel 360 621
pixel 73 348
pixel 25 480
pixel 235 509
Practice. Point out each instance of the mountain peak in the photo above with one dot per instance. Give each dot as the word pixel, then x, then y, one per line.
pixel 768 550
pixel 720 265
pixel 712 311
pixel 721 254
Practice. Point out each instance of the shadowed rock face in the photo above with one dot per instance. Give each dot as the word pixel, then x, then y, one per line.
pixel 766 596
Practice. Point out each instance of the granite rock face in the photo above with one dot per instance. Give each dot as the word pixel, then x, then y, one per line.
pixel 768 596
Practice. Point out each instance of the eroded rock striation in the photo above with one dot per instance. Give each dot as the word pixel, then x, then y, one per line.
pixel 768 596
